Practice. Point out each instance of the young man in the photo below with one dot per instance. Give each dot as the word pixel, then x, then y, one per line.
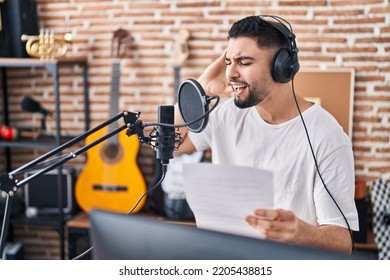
pixel 260 126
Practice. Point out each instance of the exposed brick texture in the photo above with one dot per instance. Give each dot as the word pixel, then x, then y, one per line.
pixel 330 34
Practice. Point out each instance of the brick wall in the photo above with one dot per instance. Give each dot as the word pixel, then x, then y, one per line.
pixel 40 243
pixel 329 34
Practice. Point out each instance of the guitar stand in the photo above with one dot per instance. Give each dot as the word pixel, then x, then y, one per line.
pixel 10 185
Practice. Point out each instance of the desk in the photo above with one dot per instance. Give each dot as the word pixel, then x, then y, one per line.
pixel 369 249
pixel 78 235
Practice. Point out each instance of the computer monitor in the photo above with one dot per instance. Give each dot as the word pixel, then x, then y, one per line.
pixel 120 237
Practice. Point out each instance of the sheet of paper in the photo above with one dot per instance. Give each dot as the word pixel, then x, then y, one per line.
pixel 221 196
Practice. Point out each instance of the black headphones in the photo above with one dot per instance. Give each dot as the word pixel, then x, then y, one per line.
pixel 285 63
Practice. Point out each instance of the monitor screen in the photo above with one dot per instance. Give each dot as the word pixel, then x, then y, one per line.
pixel 120 237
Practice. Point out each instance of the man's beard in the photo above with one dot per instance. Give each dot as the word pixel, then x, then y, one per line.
pixel 256 94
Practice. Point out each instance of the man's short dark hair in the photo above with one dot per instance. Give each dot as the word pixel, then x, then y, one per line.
pixel 266 35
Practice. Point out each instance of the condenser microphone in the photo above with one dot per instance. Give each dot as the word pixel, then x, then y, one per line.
pixel 193 105
pixel 165 136
pixel 30 105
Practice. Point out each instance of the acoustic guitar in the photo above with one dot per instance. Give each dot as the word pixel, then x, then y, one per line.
pixel 111 179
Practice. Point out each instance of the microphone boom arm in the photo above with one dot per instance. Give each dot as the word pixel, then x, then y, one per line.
pixel 9 184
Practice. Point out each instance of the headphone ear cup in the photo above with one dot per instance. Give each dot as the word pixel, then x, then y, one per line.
pixel 284 67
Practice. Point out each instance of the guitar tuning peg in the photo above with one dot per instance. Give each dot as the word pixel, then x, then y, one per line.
pixel 184 34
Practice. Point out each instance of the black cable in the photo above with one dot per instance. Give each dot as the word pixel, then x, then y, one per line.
pixel 317 167
pixel 149 190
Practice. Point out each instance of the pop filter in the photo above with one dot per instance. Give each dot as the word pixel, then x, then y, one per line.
pixel 193 104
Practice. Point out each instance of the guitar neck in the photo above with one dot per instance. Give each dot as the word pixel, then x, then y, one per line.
pixel 176 71
pixel 114 96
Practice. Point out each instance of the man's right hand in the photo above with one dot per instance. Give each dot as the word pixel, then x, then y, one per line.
pixel 213 79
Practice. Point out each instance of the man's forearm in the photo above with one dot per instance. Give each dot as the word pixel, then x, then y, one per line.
pixel 327 237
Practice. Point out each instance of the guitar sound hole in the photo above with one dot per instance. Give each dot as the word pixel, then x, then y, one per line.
pixel 111 153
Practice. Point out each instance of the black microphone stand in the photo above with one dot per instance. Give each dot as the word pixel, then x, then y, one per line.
pixel 43 122
pixel 10 185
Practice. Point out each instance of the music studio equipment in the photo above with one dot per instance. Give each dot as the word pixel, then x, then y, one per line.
pixel 42 193
pixel 10 183
pixel 18 17
pixel 285 63
pixel 165 136
pixel 111 178
pixel 169 200
pixel 30 105
pixel 194 109
pixel 194 105
pixel 173 206
pixel 158 141
pixel 170 241
pixel 191 94
pixel 47 45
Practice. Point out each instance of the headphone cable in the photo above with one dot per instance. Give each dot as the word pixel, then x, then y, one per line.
pixel 317 167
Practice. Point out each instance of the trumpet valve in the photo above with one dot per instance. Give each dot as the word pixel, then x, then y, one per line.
pixel 47 45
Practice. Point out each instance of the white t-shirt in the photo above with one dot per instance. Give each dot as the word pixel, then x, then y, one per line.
pixel 241 137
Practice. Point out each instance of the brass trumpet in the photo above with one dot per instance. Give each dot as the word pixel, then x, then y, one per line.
pixel 46 45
